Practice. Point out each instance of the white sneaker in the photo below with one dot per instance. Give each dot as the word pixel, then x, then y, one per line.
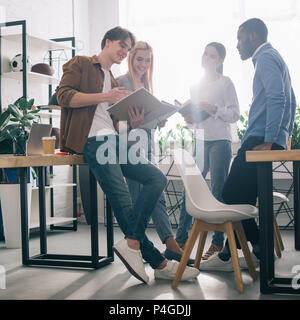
pixel 169 271
pixel 214 263
pixel 132 260
pixel 243 263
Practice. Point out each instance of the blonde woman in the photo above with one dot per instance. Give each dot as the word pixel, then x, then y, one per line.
pixel 139 75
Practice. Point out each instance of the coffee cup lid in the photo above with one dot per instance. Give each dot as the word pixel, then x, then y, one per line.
pixel 49 138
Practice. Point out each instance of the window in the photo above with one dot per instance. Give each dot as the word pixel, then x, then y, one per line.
pixel 179 30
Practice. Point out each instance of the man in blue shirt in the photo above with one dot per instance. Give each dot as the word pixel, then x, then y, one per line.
pixel 270 124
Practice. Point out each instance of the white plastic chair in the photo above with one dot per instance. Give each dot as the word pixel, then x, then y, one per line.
pixel 278 198
pixel 210 215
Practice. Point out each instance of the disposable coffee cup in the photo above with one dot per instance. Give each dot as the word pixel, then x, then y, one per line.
pixel 49 144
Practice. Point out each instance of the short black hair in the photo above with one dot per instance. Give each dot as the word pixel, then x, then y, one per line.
pixel 118 33
pixel 257 26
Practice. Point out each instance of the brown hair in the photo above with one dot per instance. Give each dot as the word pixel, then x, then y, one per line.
pixel 118 33
pixel 221 52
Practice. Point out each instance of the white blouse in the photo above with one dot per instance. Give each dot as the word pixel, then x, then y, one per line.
pixel 220 93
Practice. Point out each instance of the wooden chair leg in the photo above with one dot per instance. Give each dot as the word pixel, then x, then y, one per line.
pixel 187 252
pixel 234 256
pixel 277 231
pixel 276 238
pixel 200 249
pixel 244 245
pixel 276 245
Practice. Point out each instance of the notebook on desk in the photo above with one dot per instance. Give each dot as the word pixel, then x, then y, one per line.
pixel 34 144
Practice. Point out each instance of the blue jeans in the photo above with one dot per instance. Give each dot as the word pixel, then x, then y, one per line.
pixel 159 215
pixel 217 157
pixel 132 219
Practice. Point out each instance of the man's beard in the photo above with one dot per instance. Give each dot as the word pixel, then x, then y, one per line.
pixel 247 50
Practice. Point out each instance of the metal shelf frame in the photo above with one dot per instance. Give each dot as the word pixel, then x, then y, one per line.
pixel 24 77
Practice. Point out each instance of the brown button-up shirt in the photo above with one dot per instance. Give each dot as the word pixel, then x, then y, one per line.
pixel 80 74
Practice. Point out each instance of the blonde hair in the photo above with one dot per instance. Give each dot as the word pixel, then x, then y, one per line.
pixel 147 77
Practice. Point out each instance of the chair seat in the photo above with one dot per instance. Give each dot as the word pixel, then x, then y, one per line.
pixel 224 213
pixel 279 197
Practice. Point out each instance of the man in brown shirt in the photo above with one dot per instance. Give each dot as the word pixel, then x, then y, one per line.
pixel 86 89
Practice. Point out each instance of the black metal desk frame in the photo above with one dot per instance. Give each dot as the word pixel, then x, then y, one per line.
pixel 284 207
pixel 268 282
pixel 170 190
pixel 93 261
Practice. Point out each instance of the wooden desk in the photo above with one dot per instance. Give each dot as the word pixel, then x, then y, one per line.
pixel 93 261
pixel 264 159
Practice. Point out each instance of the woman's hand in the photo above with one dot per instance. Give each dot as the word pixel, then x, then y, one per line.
pixel 121 126
pixel 189 118
pixel 135 116
pixel 162 123
pixel 205 106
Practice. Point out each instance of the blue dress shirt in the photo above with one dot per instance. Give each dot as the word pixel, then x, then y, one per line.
pixel 272 111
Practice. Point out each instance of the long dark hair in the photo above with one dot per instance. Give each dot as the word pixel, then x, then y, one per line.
pixel 221 52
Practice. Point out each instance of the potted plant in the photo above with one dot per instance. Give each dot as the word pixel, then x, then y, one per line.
pixel 180 136
pixel 51 176
pixel 243 124
pixel 15 124
pixel 296 130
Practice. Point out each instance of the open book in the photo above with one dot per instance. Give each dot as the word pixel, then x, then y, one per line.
pixel 155 110
pixel 188 107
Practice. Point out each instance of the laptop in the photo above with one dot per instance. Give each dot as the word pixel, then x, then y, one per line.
pixel 34 144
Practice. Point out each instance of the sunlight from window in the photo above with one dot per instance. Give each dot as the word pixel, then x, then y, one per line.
pixel 179 30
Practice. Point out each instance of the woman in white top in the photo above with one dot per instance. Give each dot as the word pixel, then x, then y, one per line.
pixel 216 95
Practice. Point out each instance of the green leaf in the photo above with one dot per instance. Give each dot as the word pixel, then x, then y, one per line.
pixel 11 127
pixel 14 111
pixel 30 103
pixel 29 117
pixel 23 103
pixel 4 119
pixel 34 111
pixel 26 123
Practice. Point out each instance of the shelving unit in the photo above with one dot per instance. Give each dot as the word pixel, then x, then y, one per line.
pixel 53 220
pixel 50 220
pixel 39 43
pixel 32 78
pixel 57 185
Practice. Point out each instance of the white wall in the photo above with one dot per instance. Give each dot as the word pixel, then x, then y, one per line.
pixel 44 19
pixel 103 15
pixel 87 20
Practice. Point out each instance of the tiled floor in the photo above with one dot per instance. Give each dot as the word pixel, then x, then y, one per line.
pixel 114 281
